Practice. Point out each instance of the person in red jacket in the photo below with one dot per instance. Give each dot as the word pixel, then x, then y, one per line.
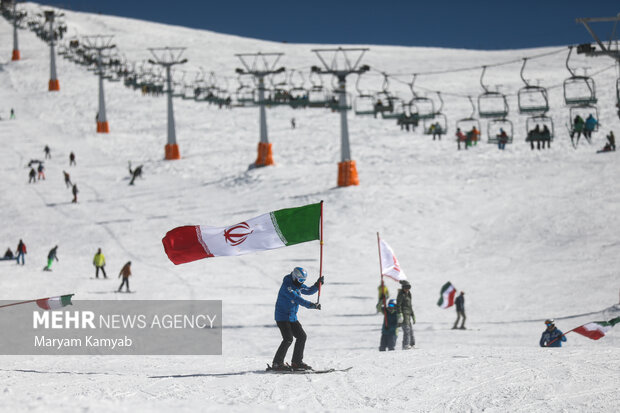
pixel 21 251
pixel 460 137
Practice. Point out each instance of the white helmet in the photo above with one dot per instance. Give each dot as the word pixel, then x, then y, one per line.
pixel 299 275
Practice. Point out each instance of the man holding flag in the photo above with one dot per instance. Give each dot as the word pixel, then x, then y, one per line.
pixel 287 304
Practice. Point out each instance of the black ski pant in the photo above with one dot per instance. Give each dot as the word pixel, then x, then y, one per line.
pixel 290 330
pixel 126 283
pixel 102 270
pixel 459 314
pixel 388 341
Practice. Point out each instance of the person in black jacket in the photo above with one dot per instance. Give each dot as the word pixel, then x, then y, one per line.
pixel 460 310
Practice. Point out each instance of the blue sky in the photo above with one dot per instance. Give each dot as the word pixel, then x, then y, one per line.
pixel 470 24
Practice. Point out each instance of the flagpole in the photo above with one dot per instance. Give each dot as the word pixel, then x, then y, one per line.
pixel 382 284
pixel 318 299
pixel 551 342
pixel 32 301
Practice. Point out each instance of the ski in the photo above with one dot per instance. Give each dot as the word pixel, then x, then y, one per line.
pixel 291 371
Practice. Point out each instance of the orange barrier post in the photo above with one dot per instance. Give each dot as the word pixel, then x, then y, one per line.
pixel 172 151
pixel 347 174
pixel 265 155
pixel 54 85
pixel 16 55
pixel 103 127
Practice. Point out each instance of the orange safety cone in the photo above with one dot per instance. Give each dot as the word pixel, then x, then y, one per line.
pixel 265 154
pixel 347 174
pixel 54 85
pixel 16 55
pixel 172 151
pixel 103 127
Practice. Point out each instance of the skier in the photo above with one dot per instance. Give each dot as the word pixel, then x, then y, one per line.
pixel 75 191
pixel 293 124
pixel 99 263
pixel 135 173
pixel 67 179
pixel 47 152
pixel 460 137
pixel 21 251
pixel 12 114
pixel 389 330
pixel 545 136
pixel 460 310
pixel 589 126
pixel 552 336
pixel 72 159
pixel 41 172
pixel 287 304
pixel 32 176
pixel 437 131
pixel 578 124
pixel 534 136
pixel 404 307
pixel 125 272
pixel 502 139
pixel 51 256
pixel 384 294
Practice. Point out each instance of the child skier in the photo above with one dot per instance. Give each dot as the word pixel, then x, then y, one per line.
pixel 389 331
pixel 287 304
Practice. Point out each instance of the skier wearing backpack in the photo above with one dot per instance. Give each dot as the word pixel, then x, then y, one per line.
pixel 21 251
pixel 287 304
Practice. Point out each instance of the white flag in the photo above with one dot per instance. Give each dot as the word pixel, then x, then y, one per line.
pixel 389 263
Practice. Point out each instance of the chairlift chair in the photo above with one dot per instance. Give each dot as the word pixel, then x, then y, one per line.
pixel 532 99
pixel 467 124
pixel 494 128
pixel 578 90
pixel 298 94
pixel 364 104
pixel 491 104
pixel 438 117
pixel 540 120
pixel 318 97
pixel 398 109
pixel 425 106
pixel 584 111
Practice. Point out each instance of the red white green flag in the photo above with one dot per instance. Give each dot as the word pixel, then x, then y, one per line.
pixel 275 229
pixel 596 329
pixel 446 295
pixel 54 303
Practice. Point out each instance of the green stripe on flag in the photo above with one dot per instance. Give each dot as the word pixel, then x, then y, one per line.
pixel 65 300
pixel 297 225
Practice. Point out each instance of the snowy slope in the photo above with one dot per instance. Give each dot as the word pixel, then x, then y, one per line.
pixel 528 235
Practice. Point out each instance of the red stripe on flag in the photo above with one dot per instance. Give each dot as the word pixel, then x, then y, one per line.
pixel 451 298
pixel 593 334
pixel 183 245
pixel 43 303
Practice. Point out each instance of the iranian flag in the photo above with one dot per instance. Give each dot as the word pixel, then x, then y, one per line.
pixel 265 232
pixel 54 303
pixel 596 329
pixel 389 264
pixel 446 295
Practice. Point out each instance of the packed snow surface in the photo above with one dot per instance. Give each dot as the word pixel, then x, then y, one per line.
pixel 528 235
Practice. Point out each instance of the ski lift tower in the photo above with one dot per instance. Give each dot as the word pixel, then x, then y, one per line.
pixel 16 20
pixel 612 49
pixel 50 16
pixel 168 57
pixel 263 64
pixel 100 43
pixel 341 66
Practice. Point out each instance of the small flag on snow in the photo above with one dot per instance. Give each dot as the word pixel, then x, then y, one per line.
pixel 54 303
pixel 389 264
pixel 596 329
pixel 446 295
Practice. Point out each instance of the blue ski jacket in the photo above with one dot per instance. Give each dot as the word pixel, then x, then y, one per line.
pixel 289 299
pixel 549 336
